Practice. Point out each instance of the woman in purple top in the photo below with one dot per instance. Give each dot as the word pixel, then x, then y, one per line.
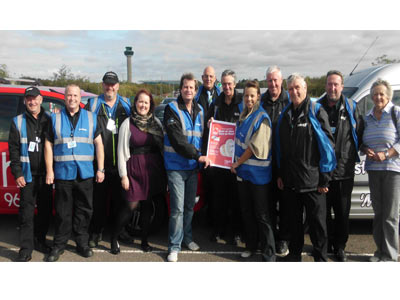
pixel 140 166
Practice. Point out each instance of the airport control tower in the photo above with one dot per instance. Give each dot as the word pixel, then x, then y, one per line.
pixel 129 53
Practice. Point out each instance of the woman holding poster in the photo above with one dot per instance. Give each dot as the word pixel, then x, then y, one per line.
pixel 226 217
pixel 253 169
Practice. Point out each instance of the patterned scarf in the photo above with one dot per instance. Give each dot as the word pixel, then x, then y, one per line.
pixel 148 124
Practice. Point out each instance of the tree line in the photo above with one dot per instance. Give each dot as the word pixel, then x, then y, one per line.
pixel 64 76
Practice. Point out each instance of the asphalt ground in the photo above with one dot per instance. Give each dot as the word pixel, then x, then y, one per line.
pixel 219 274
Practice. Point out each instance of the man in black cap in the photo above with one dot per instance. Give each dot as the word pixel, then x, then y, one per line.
pixel 25 144
pixel 111 110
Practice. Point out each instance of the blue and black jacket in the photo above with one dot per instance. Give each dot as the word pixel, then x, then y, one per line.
pixel 25 129
pixel 183 135
pixel 347 126
pixel 305 147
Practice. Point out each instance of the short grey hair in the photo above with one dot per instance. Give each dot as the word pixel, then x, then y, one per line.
pixel 229 72
pixel 273 69
pixel 294 76
pixel 378 82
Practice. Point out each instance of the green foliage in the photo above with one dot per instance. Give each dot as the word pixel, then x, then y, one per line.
pixel 383 60
pixel 315 85
pixel 3 71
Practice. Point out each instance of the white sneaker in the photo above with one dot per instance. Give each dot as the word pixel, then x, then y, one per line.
pixel 193 246
pixel 246 254
pixel 172 257
pixel 374 259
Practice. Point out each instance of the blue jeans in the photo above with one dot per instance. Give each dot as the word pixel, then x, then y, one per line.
pixel 182 186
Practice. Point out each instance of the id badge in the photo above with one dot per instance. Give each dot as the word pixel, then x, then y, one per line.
pixel 111 126
pixel 32 146
pixel 71 144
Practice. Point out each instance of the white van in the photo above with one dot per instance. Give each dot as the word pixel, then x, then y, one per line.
pixel 357 87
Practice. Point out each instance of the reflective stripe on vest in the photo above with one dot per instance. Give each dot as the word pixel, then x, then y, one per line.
pixel 20 122
pixel 94 105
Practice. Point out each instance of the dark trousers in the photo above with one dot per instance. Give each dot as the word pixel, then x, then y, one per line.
pixel 226 209
pixel 31 226
pixel 254 205
pixel 73 204
pixel 339 199
pixel 280 207
pixel 314 204
pixel 109 189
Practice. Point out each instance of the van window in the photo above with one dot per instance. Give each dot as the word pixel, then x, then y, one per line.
pixel 396 97
pixel 8 110
pixel 365 104
pixel 52 105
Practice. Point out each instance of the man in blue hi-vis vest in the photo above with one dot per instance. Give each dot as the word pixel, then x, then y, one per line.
pixel 71 141
pixel 25 144
pixel 111 110
pixel 305 158
pixel 184 124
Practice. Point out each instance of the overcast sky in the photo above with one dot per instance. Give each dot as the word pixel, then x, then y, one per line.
pixel 166 54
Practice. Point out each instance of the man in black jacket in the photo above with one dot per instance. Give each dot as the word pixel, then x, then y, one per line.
pixel 347 126
pixel 111 110
pixel 205 96
pixel 305 159
pixel 226 212
pixel 274 101
pixel 25 144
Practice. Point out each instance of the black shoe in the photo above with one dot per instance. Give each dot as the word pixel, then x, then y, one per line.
pixel 84 251
pixel 41 246
pixel 94 240
pixel 282 248
pixel 292 258
pixel 24 257
pixel 214 237
pixel 340 255
pixel 330 248
pixel 115 249
pixel 55 254
pixel 146 247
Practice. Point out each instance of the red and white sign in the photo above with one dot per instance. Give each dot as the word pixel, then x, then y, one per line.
pixel 221 144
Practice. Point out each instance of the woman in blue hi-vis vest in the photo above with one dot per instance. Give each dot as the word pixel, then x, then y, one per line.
pixel 253 169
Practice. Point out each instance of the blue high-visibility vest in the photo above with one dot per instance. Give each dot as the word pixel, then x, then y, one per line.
pixel 20 123
pixel 95 104
pixel 69 160
pixel 193 133
pixel 257 171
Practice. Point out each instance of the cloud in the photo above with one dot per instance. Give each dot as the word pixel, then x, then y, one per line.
pixel 167 54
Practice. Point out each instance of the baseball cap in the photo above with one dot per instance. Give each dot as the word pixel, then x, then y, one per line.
pixel 32 91
pixel 110 78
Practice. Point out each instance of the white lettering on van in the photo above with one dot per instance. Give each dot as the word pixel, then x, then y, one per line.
pixel 5 165
pixel 366 200
pixel 359 168
pixel 12 200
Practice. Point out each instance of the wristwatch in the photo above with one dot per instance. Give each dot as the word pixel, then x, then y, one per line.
pixel 102 170
pixel 387 154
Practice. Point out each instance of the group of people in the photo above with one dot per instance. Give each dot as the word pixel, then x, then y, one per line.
pixel 290 152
